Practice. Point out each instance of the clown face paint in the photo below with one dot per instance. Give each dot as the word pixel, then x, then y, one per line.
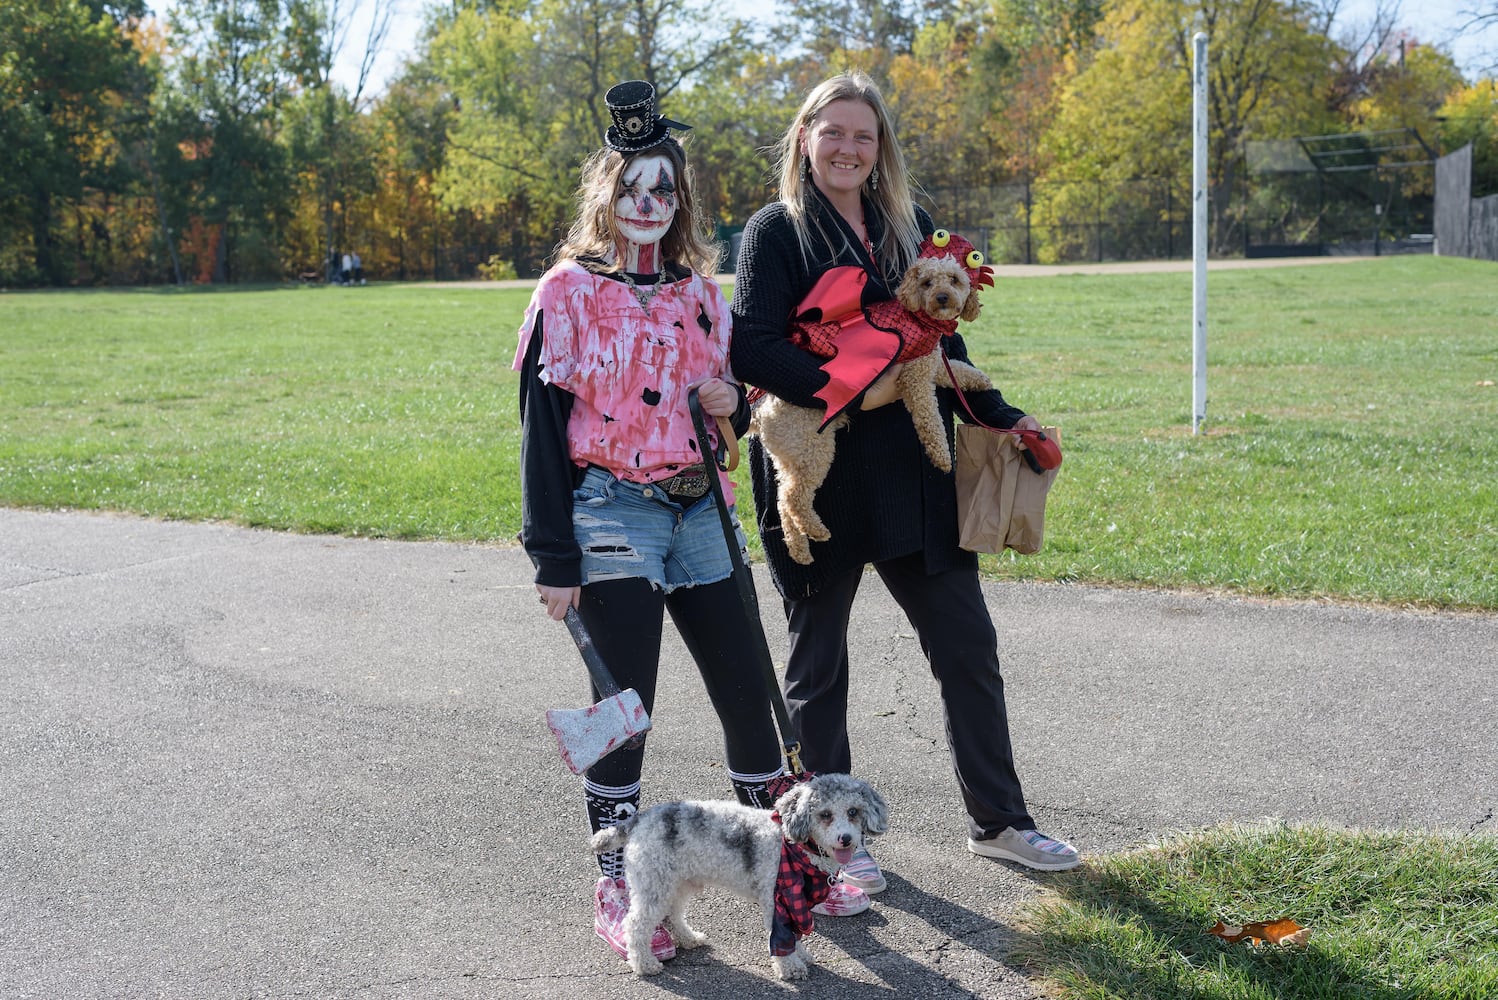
pixel 644 210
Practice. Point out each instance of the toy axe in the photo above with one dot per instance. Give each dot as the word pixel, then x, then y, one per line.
pixel 586 735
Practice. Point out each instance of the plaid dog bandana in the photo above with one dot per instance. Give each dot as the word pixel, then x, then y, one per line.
pixel 799 885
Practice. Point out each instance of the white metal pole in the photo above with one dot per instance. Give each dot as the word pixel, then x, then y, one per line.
pixel 1199 235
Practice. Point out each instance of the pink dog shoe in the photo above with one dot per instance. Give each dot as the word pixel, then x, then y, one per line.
pixel 610 907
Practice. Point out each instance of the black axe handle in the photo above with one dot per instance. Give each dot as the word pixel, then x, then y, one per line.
pixel 602 679
pixel 745 582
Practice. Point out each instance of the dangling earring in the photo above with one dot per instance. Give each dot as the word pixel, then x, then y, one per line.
pixel 806 169
pixel 874 178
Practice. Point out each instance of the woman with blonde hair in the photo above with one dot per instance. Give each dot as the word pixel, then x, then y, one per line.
pixel 845 200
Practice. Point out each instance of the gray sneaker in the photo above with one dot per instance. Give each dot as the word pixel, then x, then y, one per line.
pixel 1030 848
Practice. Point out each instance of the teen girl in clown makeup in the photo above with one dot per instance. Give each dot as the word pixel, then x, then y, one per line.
pixel 617 511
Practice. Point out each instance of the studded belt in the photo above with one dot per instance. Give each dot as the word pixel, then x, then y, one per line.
pixel 690 482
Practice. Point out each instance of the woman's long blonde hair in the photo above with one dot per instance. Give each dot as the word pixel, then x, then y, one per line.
pixel 891 199
pixel 595 232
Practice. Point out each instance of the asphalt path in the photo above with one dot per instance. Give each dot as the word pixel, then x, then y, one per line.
pixel 240 763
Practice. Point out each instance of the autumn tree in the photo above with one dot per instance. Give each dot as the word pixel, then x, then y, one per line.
pixel 1058 25
pixel 499 138
pixel 737 116
pixel 1361 47
pixel 838 35
pixel 1126 113
pixel 327 138
pixel 1403 88
pixel 1470 115
pixel 926 92
pixel 228 80
pixel 149 252
pixel 1017 65
pixel 407 225
pixel 990 72
pixel 63 67
pixel 530 81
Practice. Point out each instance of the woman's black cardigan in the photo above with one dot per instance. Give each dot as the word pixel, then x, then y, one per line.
pixel 883 498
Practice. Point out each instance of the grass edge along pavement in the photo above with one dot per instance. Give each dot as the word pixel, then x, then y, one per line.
pixel 1350 451
pixel 1392 916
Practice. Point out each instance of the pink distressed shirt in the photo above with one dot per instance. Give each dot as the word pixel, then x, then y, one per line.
pixel 628 369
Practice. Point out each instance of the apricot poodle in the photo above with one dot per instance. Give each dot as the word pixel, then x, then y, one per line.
pixel 937 291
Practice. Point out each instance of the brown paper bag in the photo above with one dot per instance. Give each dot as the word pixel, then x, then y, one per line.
pixel 1000 499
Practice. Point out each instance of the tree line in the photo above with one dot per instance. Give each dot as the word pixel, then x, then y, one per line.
pixel 215 145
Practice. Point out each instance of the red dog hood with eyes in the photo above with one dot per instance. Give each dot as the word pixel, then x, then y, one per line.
pixel 860 342
pixel 944 244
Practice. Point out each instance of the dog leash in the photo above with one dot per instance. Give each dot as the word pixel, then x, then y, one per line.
pixel 1023 434
pixel 745 581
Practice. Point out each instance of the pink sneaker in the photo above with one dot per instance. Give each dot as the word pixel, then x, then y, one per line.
pixel 843 901
pixel 610 907
pixel 862 872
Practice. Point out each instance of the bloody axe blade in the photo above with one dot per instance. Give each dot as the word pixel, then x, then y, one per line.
pixel 586 735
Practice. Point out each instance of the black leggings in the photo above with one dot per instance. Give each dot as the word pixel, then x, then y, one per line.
pixel 625 619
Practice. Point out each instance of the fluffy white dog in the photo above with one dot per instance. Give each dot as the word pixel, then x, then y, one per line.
pixel 674 849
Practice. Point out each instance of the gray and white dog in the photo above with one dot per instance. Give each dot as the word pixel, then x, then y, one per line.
pixel 674 849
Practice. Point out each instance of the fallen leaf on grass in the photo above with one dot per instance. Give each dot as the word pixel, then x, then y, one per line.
pixel 1283 931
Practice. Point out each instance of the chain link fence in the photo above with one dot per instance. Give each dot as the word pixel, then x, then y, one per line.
pixel 1359 193
pixel 1064 221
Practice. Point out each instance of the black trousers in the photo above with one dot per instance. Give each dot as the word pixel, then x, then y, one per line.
pixel 957 635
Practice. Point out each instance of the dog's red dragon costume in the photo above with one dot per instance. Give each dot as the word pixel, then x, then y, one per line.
pixel 861 342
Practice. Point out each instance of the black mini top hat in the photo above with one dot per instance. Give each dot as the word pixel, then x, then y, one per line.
pixel 637 126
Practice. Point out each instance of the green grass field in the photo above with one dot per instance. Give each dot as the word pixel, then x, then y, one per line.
pixel 376 411
pixel 1351 449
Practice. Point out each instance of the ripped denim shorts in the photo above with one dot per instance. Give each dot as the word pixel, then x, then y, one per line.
pixel 634 530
